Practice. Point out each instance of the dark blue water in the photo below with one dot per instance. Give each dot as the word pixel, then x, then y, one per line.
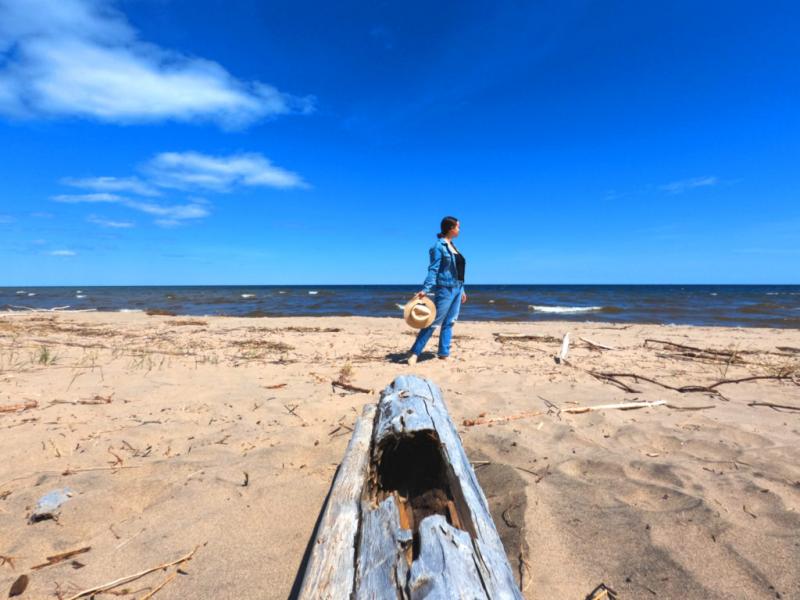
pixel 735 305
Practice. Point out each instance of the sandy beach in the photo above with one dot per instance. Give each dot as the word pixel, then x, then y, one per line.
pixel 221 435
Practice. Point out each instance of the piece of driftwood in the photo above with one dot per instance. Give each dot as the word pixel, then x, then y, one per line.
pixel 774 406
pixel 406 517
pixel 19 407
pixel 562 355
pixel 57 558
pixel 596 345
pixel 620 406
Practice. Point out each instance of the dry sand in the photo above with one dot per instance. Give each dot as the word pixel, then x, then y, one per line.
pixel 224 434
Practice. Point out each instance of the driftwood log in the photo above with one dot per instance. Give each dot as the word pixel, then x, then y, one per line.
pixel 406 517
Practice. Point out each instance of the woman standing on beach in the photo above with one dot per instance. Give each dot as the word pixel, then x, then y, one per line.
pixel 446 279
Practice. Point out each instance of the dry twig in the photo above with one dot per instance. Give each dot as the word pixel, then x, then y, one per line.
pixel 117 582
pixel 57 558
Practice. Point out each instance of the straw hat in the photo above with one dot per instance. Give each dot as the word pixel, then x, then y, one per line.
pixel 419 312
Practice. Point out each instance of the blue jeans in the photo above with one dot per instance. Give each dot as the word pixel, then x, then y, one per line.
pixel 448 304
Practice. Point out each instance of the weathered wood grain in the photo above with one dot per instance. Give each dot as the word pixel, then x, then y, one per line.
pixel 330 573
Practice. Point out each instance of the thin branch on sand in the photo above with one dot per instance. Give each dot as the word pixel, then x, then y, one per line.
pixel 614 379
pixel 778 407
pixel 349 388
pixel 117 582
pixel 19 407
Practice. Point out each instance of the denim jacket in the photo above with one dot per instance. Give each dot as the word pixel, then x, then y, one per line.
pixel 442 269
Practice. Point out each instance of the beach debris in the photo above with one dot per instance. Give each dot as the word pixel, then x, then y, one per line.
pixel 789 349
pixel 291 408
pixel 482 420
pixel 19 586
pixel 246 480
pixel 127 579
pixel 161 585
pixel 602 592
pixel 7 560
pixel 406 515
pixel 512 337
pixel 57 558
pixel 23 406
pixel 562 356
pixel 87 401
pixel 773 406
pixel 49 505
pixel 576 410
pixel 596 345
pixel 275 386
pixel 614 379
pixel 353 389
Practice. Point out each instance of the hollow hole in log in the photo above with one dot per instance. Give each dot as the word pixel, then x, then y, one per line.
pixel 414 469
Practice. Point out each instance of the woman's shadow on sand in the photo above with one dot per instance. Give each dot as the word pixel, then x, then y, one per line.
pixel 402 357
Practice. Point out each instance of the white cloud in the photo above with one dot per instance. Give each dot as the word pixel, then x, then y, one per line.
pixel 109 223
pixel 82 58
pixel 63 253
pixel 133 185
pixel 98 197
pixel 175 213
pixel 678 187
pixel 186 170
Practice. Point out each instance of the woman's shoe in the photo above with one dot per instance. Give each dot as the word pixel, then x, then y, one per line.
pixel 442 357
pixel 412 360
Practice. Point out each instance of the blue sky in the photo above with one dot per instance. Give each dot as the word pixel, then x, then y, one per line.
pixel 257 142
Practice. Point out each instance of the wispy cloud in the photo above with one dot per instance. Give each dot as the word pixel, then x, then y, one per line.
pixel 133 185
pixel 4 219
pixel 109 223
pixel 63 253
pixel 188 170
pixel 167 172
pixel 169 215
pixel 82 58
pixel 679 187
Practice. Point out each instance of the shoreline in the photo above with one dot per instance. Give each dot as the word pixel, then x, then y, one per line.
pixel 499 322
pixel 179 431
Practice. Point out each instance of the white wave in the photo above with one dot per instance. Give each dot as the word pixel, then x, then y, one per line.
pixel 21 292
pixel 31 294
pixel 313 292
pixel 713 294
pixel 773 293
pixel 80 295
pixel 248 295
pixel 79 292
pixel 130 310
pixel 282 292
pixel 400 306
pixel 491 301
pixel 563 309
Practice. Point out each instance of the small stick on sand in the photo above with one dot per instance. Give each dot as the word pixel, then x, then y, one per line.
pixel 349 388
pixel 483 421
pixel 117 582
pixel 19 407
pixel 596 345
pixel 57 558
pixel 773 406
pixel 161 585
pixel 621 406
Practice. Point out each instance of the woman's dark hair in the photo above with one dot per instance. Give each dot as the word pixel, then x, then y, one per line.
pixel 448 223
